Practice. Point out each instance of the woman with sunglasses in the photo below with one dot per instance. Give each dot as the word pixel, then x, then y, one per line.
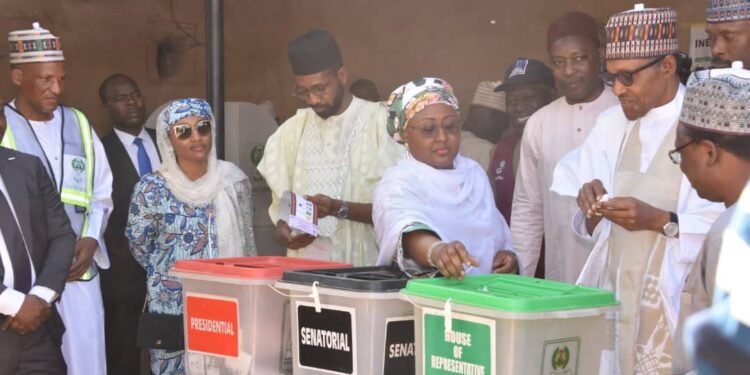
pixel 194 207
pixel 434 210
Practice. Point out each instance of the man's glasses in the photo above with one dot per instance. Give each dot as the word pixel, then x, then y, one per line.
pixel 431 131
pixel 185 131
pixel 676 154
pixel 317 91
pixel 626 77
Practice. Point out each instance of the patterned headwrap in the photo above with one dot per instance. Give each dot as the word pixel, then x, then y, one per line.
pixel 410 98
pixel 181 108
pixel 717 100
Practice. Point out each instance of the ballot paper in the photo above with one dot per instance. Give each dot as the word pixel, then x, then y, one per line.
pixel 300 214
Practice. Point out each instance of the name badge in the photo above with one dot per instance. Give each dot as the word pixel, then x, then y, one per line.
pixel 74 172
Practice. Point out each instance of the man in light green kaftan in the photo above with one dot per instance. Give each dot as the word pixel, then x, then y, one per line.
pixel 334 151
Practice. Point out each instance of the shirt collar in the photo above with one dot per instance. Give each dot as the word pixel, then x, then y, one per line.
pixel 127 138
pixel 671 109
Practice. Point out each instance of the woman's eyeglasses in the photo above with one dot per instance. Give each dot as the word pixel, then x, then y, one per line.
pixel 626 77
pixel 185 131
pixel 431 131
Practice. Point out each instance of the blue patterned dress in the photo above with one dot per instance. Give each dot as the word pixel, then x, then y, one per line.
pixel 162 230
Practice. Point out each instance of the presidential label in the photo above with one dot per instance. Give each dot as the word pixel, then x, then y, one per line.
pixel 399 346
pixel 211 325
pixel 325 339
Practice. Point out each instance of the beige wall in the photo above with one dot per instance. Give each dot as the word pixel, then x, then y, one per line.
pixel 389 41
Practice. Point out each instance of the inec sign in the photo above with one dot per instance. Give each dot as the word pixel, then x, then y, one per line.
pixel 467 349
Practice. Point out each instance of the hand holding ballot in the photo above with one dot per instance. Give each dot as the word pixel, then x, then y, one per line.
pixel 298 226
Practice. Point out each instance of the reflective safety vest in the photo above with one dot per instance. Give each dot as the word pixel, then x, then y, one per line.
pixel 77 158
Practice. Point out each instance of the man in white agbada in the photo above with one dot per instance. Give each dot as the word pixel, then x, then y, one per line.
pixel 552 132
pixel 649 232
pixel 334 151
pixel 433 210
pixel 75 159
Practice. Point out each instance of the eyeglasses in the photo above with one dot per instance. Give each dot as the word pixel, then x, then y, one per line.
pixel 317 91
pixel 431 131
pixel 676 154
pixel 626 77
pixel 185 131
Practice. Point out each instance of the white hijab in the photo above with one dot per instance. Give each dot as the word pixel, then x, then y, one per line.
pixel 455 203
pixel 224 185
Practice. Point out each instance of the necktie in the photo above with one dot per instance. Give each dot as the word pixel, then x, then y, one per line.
pixel 19 256
pixel 144 163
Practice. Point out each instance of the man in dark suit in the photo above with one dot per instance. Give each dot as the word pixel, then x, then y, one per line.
pixel 132 153
pixel 35 260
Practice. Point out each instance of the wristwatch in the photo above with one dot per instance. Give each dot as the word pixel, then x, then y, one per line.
pixel 671 228
pixel 343 212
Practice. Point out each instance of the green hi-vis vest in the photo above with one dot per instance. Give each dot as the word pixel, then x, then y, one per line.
pixel 77 169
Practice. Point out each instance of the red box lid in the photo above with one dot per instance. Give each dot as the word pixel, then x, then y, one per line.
pixel 261 267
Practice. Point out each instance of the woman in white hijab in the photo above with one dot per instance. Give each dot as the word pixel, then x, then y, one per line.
pixel 193 207
pixel 434 210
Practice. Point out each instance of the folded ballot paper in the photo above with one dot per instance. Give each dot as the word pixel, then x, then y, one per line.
pixel 300 214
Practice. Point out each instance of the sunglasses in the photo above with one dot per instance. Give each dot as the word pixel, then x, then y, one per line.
pixel 185 131
pixel 626 77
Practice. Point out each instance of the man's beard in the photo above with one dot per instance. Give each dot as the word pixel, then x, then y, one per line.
pixel 335 106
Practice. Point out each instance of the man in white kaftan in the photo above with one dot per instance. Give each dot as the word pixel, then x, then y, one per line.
pixel 74 157
pixel 335 152
pixel 552 132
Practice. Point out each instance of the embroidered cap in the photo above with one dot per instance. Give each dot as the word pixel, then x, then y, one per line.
pixel 34 46
pixel 718 11
pixel 642 33
pixel 718 100
pixel 486 96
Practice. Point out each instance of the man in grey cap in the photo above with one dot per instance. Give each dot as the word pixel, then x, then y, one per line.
pixel 334 150
pixel 529 85
pixel 712 147
pixel 728 28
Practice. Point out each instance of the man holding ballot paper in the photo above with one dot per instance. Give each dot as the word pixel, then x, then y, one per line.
pixel 332 152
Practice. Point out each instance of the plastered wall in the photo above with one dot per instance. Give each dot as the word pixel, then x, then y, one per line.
pixel 389 41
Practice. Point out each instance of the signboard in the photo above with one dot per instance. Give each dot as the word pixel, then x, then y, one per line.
pixel 326 339
pixel 561 356
pixel 399 346
pixel 212 325
pixel 468 348
pixel 700 46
